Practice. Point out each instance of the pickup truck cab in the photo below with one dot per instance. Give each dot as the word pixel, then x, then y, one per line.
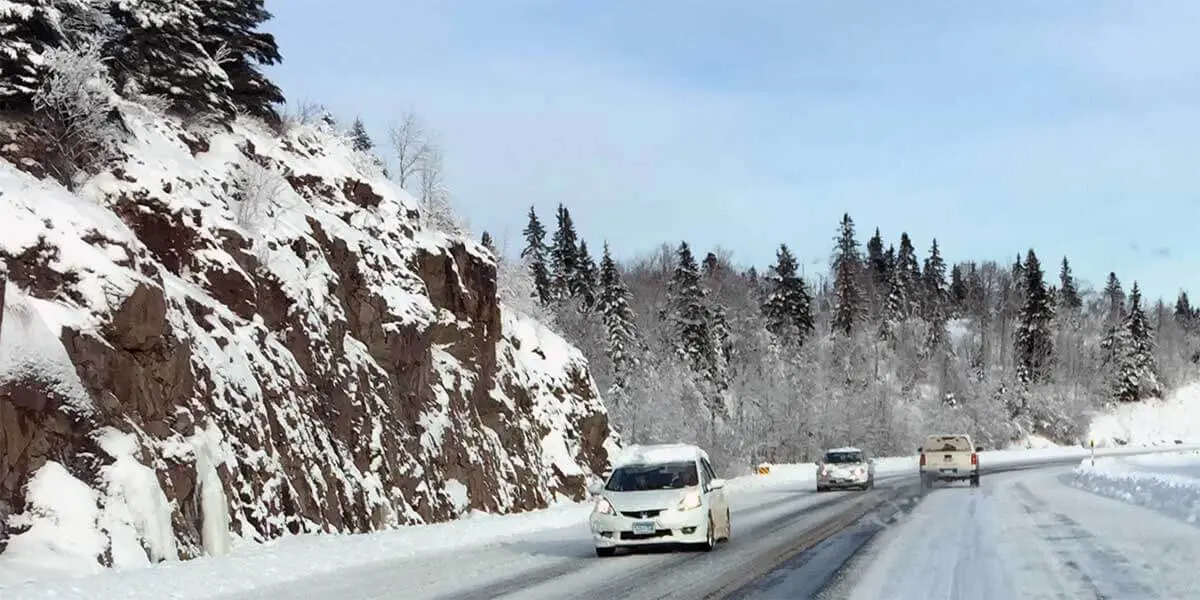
pixel 950 457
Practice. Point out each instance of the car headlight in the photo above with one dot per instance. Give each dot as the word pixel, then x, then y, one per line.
pixel 604 507
pixel 690 501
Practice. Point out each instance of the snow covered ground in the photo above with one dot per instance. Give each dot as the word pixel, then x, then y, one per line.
pixel 1152 422
pixel 1027 535
pixel 1169 484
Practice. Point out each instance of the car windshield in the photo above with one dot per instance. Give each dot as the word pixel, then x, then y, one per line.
pixel 668 476
pixel 948 444
pixel 835 458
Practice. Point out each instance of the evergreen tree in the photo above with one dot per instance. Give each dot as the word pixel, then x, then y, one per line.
pixel 958 289
pixel 909 276
pixel 1116 300
pixel 896 306
pixel 722 343
pixel 1034 339
pixel 583 280
pixel 158 51
pixel 229 34
pixel 1185 314
pixel 1018 270
pixel 711 265
pixel 27 29
pixel 564 252
pixel 934 279
pixel 1115 340
pixel 618 319
pixel 359 139
pixel 1135 373
pixel 788 307
pixel 847 269
pixel 534 254
pixel 1068 293
pixel 937 297
pixel 889 260
pixel 486 241
pixel 877 266
pixel 688 315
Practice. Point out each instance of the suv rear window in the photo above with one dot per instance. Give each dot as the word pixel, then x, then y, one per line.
pixel 949 443
pixel 640 478
pixel 835 458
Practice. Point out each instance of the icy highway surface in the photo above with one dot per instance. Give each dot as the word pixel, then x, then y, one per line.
pixel 1029 536
pixel 1025 533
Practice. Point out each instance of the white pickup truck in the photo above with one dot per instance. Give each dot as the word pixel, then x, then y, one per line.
pixel 949 458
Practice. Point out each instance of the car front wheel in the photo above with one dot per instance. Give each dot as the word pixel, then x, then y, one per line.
pixel 710 537
pixel 603 552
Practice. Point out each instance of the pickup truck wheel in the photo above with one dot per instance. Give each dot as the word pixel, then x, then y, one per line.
pixel 927 482
pixel 974 481
pixel 604 552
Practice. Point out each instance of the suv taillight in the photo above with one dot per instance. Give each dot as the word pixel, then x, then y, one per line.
pixel 974 458
pixel 922 460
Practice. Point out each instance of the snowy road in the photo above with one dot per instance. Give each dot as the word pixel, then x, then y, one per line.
pixel 769 526
pixel 1027 535
pixel 1024 532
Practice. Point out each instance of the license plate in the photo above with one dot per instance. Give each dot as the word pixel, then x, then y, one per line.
pixel 644 527
pixel 948 470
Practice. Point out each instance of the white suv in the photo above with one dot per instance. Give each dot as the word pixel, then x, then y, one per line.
pixel 660 494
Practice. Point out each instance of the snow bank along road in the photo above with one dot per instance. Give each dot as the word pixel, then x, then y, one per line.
pixel 788 542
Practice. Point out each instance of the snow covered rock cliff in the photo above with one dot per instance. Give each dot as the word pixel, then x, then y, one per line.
pixel 234 333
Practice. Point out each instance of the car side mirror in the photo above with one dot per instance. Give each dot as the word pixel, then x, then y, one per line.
pixel 716 484
pixel 595 488
pixel 920 450
pixel 979 448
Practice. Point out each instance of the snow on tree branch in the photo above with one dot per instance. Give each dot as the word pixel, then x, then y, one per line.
pixel 75 112
pixel 411 148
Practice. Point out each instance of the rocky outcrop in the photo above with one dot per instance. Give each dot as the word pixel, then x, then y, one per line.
pixel 261 324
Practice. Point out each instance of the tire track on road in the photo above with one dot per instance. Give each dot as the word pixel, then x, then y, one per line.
pixel 1101 571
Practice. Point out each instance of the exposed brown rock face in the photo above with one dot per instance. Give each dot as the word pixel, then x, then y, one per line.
pixel 330 366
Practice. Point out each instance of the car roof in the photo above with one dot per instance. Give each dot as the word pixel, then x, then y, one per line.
pixel 650 454
pixel 844 449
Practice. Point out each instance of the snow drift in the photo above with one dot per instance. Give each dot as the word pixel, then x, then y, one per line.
pixel 1152 421
pixel 1141 484
pixel 237 334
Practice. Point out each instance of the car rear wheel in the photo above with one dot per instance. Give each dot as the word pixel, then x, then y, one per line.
pixel 974 481
pixel 728 526
pixel 603 552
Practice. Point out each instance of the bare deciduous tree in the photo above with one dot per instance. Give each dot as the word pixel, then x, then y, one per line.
pixel 436 212
pixel 256 193
pixel 411 146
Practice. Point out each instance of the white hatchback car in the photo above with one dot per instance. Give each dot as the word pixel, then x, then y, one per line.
pixel 660 494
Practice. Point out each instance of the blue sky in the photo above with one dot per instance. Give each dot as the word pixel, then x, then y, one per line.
pixel 1069 127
